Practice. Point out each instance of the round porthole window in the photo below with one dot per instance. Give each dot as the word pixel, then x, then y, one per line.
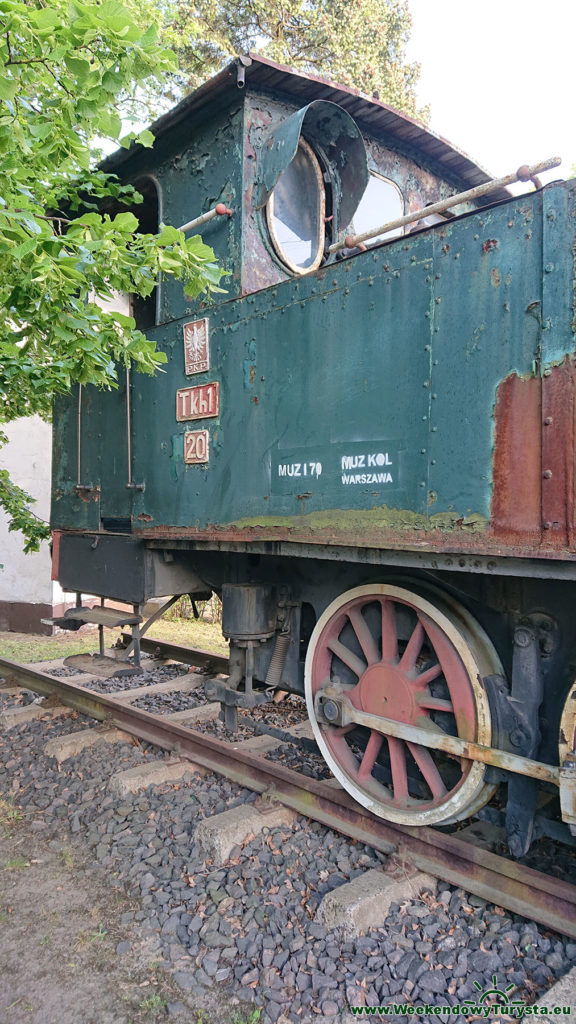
pixel 295 212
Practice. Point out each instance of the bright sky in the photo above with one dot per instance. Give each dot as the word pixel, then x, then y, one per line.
pixel 500 78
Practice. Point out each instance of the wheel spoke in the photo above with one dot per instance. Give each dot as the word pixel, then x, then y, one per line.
pixel 389 632
pixel 347 656
pixel 398 767
pixel 426 764
pixel 413 648
pixel 425 700
pixel 457 680
pixel 365 638
pixel 429 675
pixel 343 730
pixel 370 755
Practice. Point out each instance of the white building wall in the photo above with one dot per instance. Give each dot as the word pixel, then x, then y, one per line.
pixel 27 593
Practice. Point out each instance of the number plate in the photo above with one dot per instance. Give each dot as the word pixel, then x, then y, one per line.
pixel 196 447
pixel 196 350
pixel 198 403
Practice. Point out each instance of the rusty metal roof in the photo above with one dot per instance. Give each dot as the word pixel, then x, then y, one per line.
pixel 371 114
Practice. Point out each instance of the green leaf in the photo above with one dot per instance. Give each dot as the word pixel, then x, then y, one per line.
pixel 45 18
pixel 79 67
pixel 125 222
pixel 145 138
pixel 110 123
pixel 169 235
pixel 8 88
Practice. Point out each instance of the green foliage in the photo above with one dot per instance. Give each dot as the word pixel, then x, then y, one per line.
pixel 67 71
pixel 359 44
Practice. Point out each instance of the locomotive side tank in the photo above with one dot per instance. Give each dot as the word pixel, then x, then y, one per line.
pixel 370 458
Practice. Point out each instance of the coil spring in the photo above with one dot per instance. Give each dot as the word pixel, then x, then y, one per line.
pixel 276 666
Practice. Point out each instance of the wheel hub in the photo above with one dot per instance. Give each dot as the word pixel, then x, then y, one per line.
pixel 384 690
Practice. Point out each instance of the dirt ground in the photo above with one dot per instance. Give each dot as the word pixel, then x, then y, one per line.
pixel 59 929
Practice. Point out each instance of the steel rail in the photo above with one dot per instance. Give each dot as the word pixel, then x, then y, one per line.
pixel 189 655
pixel 549 901
pixel 437 741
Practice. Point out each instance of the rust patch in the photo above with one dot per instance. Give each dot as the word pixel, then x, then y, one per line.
pixel 495 277
pixel 533 465
pixel 88 494
pixel 558 453
pixel 56 535
pixel 516 470
pixel 145 518
pixel 490 243
pixel 452 544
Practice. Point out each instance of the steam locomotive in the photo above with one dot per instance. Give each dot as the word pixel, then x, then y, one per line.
pixel 365 447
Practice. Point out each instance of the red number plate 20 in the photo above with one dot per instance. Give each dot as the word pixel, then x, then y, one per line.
pixel 196 447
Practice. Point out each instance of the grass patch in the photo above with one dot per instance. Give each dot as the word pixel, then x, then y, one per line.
pixel 66 857
pixel 252 1018
pixel 17 863
pixel 24 647
pixel 153 1003
pixel 9 813
pixel 192 632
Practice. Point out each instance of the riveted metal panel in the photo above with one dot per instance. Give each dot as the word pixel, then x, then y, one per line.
pixel 558 369
pixel 314 372
pixel 195 174
pixel 338 370
pixel 487 277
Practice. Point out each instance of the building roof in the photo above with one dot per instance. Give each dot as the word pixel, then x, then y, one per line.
pixel 371 114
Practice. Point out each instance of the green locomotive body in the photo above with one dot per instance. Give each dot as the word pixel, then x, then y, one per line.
pixel 379 446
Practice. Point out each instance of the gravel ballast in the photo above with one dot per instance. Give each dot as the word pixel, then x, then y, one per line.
pixel 248 929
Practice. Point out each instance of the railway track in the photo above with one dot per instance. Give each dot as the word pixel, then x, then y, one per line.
pixel 548 901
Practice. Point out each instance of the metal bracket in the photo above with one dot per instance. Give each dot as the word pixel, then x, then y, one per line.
pixel 526 693
pixel 215 690
pixel 85 489
pixel 231 700
pixel 568 794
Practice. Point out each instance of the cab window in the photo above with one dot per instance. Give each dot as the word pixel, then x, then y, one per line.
pixel 296 212
pixel 381 203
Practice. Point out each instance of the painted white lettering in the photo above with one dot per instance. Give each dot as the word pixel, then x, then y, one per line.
pixel 353 461
pixel 367 478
